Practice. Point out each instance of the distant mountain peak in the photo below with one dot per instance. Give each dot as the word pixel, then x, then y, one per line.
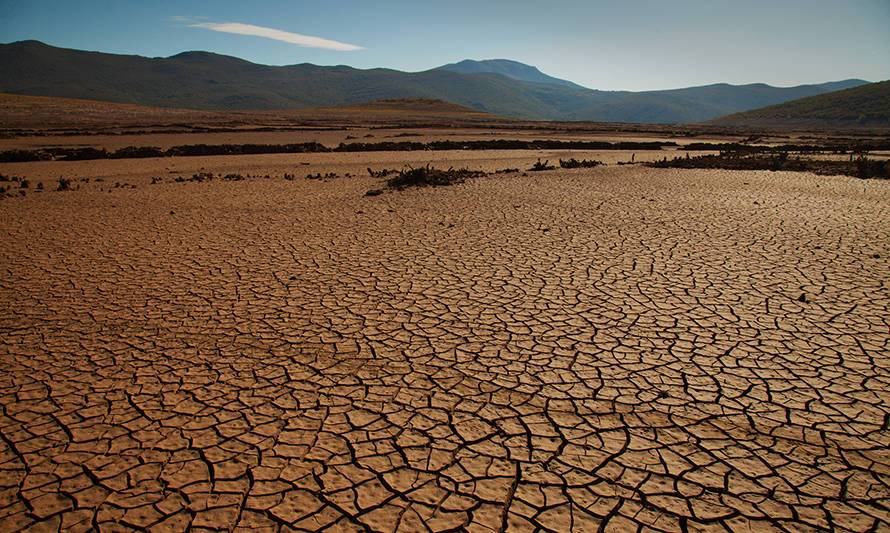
pixel 497 62
pixel 197 57
pixel 193 54
pixel 506 67
pixel 29 42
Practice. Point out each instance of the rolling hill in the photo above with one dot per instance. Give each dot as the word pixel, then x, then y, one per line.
pixel 864 106
pixel 204 80
pixel 19 111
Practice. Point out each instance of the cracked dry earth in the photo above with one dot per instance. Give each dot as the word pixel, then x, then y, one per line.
pixel 617 348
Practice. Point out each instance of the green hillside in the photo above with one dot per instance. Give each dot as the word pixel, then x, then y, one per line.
pixel 866 106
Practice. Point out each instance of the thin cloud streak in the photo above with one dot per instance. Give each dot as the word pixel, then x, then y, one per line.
pixel 277 35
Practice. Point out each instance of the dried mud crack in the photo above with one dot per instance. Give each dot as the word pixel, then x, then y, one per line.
pixel 668 350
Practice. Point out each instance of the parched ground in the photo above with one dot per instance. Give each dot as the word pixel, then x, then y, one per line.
pixel 619 347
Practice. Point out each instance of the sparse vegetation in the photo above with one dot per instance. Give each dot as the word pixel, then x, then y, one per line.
pixel 871 168
pixel 831 148
pixel 428 176
pixel 23 156
pixel 861 167
pixel 500 144
pixel 64 184
pixel 721 147
pixel 131 152
pixel 539 166
pixel 80 154
pixel 203 176
pixel 582 163
pixel 320 176
pixel 245 149
pixel 382 173
pixel 135 152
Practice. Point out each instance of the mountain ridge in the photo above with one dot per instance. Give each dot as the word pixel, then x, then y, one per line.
pixel 862 106
pixel 206 80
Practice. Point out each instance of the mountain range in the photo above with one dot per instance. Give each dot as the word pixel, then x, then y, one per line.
pixel 204 80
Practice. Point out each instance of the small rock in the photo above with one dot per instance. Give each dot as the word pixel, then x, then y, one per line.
pixel 802 298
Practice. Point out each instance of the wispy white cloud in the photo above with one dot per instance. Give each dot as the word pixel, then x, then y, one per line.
pixel 278 35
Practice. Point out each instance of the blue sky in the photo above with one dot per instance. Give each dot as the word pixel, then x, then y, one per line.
pixel 632 44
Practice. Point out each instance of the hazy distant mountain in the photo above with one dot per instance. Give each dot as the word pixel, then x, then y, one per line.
pixel 864 106
pixel 508 68
pixel 203 80
pixel 698 104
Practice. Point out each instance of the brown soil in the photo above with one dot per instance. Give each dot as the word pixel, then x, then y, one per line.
pixel 616 347
pixel 53 113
